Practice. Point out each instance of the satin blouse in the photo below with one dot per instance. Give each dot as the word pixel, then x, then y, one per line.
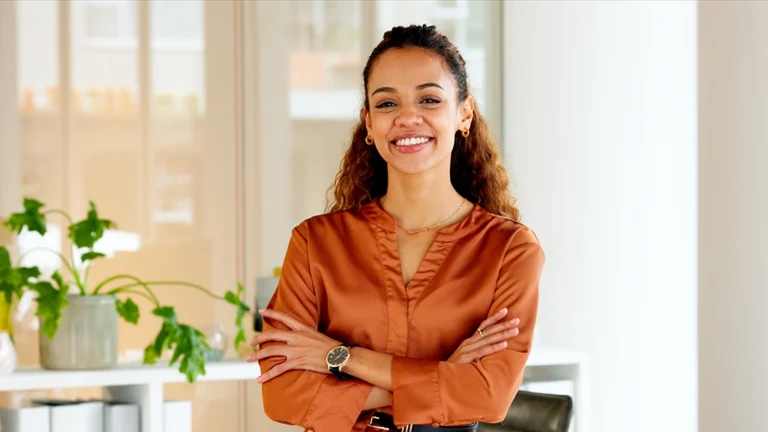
pixel 342 275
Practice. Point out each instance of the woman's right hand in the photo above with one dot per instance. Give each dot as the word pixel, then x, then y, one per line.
pixel 493 339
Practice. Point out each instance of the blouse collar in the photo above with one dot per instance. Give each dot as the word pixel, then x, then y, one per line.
pixel 375 213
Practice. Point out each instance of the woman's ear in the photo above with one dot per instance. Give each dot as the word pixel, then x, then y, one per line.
pixel 367 116
pixel 466 114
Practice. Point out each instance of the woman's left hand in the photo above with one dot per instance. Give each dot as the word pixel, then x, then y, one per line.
pixel 305 348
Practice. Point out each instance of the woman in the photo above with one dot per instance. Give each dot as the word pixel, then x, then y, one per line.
pixel 411 304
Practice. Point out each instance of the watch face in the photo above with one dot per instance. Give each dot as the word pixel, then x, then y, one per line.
pixel 338 356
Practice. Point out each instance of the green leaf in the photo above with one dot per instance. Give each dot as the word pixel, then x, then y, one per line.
pixel 188 344
pixel 90 256
pixel 242 308
pixel 6 287
pixel 240 338
pixel 62 286
pixel 167 313
pixel 50 302
pixel 154 350
pixel 128 310
pixel 31 218
pixel 14 279
pixel 86 233
pixel 192 352
pixel 5 259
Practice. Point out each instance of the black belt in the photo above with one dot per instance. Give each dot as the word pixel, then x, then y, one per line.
pixel 384 421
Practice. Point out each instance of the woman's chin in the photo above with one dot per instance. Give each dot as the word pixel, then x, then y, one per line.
pixel 414 167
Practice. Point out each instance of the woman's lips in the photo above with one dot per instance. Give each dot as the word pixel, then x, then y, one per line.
pixel 412 145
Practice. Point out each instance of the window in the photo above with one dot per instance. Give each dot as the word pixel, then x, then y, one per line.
pixel 140 140
pixel 176 25
pixel 109 22
pixel 328 52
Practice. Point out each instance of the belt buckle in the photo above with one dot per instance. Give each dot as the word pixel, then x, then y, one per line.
pixel 375 426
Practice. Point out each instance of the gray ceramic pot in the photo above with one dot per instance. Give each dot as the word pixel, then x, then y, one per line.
pixel 87 337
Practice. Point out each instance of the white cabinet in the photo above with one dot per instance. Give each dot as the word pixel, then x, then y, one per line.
pixel 135 383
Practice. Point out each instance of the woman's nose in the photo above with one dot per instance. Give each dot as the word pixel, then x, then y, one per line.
pixel 409 116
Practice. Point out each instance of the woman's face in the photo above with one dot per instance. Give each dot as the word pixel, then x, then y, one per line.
pixel 414 112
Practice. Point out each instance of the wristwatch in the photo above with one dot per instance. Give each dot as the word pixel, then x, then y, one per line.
pixel 336 359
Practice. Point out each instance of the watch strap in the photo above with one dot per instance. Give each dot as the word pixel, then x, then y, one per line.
pixel 339 374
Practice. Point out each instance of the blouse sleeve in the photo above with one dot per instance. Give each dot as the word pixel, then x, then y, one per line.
pixel 441 393
pixel 319 402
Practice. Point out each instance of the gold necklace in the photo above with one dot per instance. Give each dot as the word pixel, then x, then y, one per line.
pixel 433 225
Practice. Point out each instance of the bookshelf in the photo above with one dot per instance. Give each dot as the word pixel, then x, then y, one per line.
pixel 135 383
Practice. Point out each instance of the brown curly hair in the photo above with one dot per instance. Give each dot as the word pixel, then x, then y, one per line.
pixel 477 173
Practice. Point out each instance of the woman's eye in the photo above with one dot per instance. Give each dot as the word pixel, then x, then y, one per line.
pixel 385 105
pixel 431 100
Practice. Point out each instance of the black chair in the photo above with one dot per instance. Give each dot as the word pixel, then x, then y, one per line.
pixel 535 412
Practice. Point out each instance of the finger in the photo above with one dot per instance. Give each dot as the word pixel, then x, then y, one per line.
pixel 489 349
pixel 272 351
pixel 277 371
pixel 469 357
pixel 495 328
pixel 272 335
pixel 500 327
pixel 493 319
pixel 284 318
pixel 501 336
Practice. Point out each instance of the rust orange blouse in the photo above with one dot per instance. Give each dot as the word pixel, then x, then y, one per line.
pixel 342 274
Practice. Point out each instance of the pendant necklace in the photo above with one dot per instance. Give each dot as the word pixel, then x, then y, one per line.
pixel 433 225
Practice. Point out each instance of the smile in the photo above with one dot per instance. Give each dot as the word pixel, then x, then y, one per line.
pixel 412 141
pixel 412 145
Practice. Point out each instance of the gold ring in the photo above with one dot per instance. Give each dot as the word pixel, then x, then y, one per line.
pixel 481 332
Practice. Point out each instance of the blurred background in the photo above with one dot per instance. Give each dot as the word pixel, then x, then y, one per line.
pixel 634 133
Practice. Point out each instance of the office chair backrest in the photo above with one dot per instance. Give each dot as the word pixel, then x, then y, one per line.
pixel 535 412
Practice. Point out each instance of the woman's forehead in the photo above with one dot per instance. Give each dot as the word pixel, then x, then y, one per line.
pixel 408 68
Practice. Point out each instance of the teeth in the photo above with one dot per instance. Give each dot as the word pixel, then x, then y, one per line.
pixel 411 141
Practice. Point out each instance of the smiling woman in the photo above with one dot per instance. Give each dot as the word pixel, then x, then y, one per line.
pixel 409 117
pixel 424 321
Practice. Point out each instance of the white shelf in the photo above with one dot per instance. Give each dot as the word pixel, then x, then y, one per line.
pixel 128 382
pixel 35 378
pixel 552 356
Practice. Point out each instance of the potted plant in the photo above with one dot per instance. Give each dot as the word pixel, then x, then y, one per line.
pixel 78 318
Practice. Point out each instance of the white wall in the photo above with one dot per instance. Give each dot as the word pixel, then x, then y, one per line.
pixel 733 235
pixel 10 151
pixel 600 134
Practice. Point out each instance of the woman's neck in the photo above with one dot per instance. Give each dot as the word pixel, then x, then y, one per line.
pixel 420 200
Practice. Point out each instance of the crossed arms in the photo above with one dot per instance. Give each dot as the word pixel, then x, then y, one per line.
pixel 477 383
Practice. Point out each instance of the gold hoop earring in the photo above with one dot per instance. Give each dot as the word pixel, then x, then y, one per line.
pixel 369 140
pixel 465 133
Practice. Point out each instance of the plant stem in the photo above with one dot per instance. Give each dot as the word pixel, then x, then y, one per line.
pixel 59 212
pixel 138 281
pixel 87 272
pixel 141 294
pixel 64 261
pixel 101 284
pixel 187 284
pixel 81 284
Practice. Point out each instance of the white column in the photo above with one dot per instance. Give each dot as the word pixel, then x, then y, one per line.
pixel 219 178
pixel 733 216
pixel 10 139
pixel 600 134
pixel 268 127
pixel 267 160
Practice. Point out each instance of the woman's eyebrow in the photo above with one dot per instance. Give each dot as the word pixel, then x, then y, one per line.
pixel 418 87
